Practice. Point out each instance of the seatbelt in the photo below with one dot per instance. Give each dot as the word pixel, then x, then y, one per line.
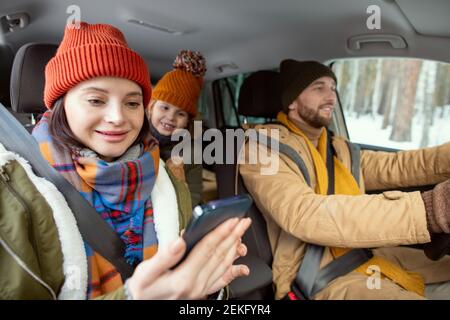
pixel 286 150
pixel 94 230
pixel 310 279
pixel 330 162
pixel 340 267
pixel 355 156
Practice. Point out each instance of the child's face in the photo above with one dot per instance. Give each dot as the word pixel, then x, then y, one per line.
pixel 105 114
pixel 166 117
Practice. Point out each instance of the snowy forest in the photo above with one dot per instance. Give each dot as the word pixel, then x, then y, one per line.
pixel 397 103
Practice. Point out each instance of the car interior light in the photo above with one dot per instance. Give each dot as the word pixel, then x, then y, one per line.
pixel 157 27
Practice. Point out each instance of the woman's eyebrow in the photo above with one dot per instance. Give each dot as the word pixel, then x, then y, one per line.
pixel 96 89
pixel 133 93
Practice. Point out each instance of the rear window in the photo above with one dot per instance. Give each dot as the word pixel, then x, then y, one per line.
pixel 395 103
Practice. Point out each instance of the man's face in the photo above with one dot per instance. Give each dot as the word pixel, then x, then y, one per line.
pixel 315 104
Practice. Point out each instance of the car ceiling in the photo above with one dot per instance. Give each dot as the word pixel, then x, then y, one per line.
pixel 239 36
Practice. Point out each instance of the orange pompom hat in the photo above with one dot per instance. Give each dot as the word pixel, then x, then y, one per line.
pixel 89 51
pixel 181 86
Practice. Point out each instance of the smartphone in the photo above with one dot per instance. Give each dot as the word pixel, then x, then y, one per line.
pixel 208 216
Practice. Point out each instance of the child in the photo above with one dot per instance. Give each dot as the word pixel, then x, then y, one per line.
pixel 174 106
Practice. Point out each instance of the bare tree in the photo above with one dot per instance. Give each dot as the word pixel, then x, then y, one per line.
pixel 401 129
pixel 389 116
pixel 388 70
pixel 362 87
pixel 352 85
pixel 375 101
pixel 430 76
pixel 390 77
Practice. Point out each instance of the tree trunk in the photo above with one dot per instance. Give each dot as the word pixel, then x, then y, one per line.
pixel 429 100
pixel 377 87
pixel 401 130
pixel 352 85
pixel 390 97
pixel 387 85
pixel 361 88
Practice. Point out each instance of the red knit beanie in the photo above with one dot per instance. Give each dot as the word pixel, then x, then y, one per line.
pixel 89 51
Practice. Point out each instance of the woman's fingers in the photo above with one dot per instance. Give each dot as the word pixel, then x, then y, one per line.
pixel 196 268
pixel 205 248
pixel 208 266
pixel 211 257
pixel 148 270
pixel 226 252
pixel 241 250
pixel 233 272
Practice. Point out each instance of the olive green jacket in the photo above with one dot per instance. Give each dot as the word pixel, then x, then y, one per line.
pixel 192 173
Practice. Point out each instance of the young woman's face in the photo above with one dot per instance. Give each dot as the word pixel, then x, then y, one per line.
pixel 166 117
pixel 105 114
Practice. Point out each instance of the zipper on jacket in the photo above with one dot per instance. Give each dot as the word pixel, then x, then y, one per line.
pixel 22 264
pixel 4 177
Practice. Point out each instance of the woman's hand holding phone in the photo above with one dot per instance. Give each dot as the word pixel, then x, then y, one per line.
pixel 208 267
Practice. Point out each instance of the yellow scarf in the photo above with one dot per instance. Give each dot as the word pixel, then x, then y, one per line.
pixel 346 184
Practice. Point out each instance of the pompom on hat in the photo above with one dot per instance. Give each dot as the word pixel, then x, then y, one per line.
pixel 181 86
pixel 89 51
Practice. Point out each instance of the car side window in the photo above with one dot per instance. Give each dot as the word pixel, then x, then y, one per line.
pixel 395 103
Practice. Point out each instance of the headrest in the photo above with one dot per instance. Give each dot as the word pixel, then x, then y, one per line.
pixel 28 77
pixel 260 95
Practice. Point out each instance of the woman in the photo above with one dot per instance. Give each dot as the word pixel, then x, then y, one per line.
pixel 174 107
pixel 96 135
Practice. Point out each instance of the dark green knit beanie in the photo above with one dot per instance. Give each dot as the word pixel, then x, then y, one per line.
pixel 297 75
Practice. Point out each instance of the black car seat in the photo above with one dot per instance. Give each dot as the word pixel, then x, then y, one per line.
pixel 259 97
pixel 27 80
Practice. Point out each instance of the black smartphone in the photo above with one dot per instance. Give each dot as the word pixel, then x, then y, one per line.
pixel 208 216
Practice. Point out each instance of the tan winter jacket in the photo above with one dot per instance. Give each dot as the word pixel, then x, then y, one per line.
pixel 295 214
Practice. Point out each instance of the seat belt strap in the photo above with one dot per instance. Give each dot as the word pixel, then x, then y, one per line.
pixel 94 230
pixel 330 162
pixel 355 156
pixel 339 267
pixel 309 269
pixel 286 150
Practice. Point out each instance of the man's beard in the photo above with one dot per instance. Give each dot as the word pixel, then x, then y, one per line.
pixel 313 118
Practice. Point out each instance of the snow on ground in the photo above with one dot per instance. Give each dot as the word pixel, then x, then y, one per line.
pixel 367 130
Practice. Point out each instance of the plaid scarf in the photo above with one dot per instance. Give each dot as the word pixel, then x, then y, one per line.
pixel 120 193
